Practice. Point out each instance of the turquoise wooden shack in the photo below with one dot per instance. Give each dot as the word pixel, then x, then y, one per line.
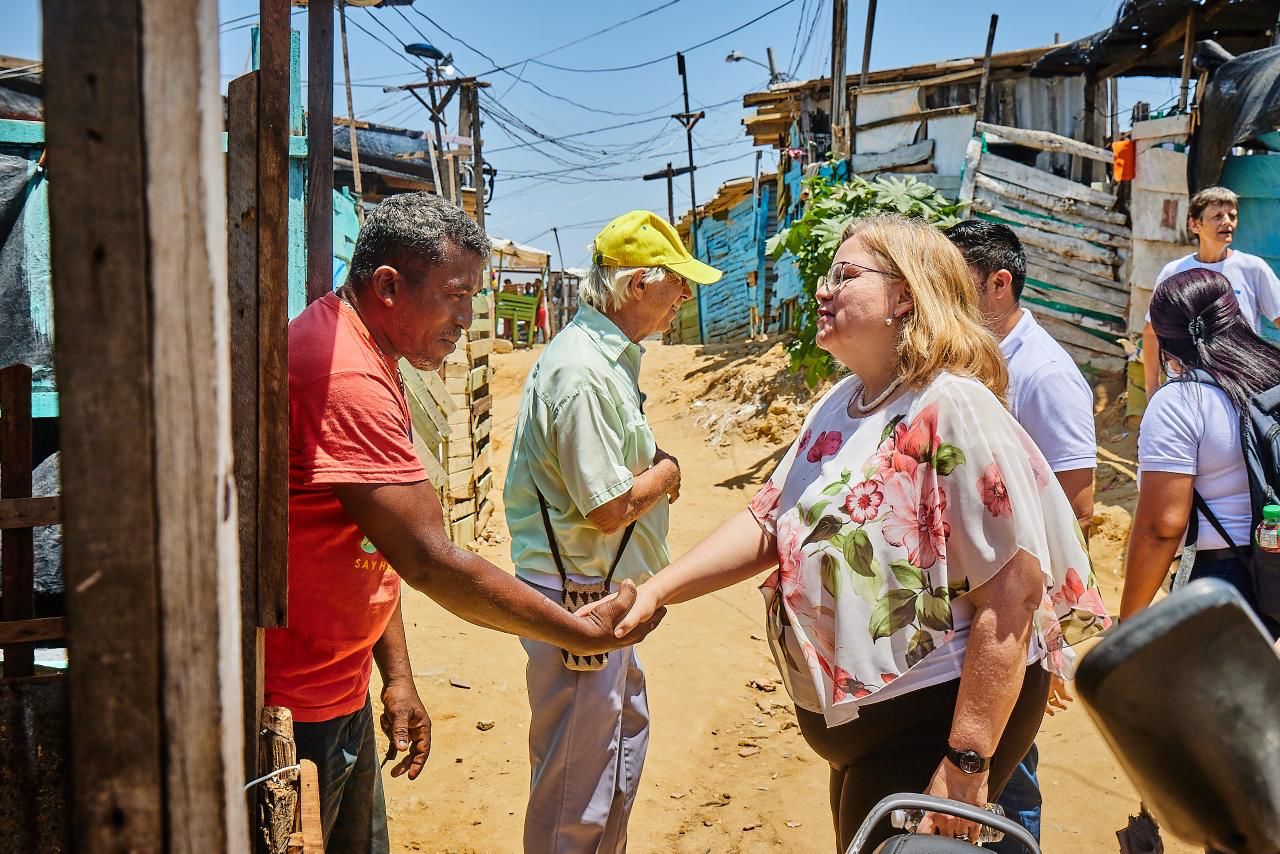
pixel 1255 178
pixel 26 298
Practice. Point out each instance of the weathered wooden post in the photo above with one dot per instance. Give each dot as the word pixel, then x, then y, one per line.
pixel 138 244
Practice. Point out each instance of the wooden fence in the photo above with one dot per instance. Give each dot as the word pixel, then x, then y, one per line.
pixel 1076 240
pixel 33 715
pixel 452 424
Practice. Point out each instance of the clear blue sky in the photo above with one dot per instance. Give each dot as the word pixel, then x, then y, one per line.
pixel 585 190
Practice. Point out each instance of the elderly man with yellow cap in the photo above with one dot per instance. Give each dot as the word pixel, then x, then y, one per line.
pixel 586 499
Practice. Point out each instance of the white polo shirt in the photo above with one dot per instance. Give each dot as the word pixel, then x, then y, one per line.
pixel 1255 285
pixel 1049 396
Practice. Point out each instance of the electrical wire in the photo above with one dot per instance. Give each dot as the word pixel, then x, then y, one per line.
pixel 665 57
pixel 505 70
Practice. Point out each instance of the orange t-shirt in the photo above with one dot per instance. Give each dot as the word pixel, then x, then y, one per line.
pixel 348 423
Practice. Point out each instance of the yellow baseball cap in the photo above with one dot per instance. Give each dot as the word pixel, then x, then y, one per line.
pixel 644 239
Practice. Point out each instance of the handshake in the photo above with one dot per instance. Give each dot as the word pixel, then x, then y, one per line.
pixel 620 619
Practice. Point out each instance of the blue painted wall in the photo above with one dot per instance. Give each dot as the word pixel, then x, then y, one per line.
pixel 1255 179
pixel 734 244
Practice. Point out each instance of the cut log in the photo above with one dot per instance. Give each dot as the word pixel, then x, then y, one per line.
pixel 907 155
pixel 1066 333
pixel 1065 247
pixel 1074 298
pixel 1110 300
pixel 1044 141
pixel 310 824
pixel 277 796
pixel 462 509
pixel 1045 182
pixel 1054 226
pixel 1095 272
pixel 1048 201
pixel 1121 233
pixel 1063 312
pixel 1095 361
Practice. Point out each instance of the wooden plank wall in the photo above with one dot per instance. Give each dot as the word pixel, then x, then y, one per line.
pixel 1076 239
pixel 452 424
pixel 733 243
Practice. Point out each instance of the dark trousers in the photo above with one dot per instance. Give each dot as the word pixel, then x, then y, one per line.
pixel 352 808
pixel 1022 802
pixel 896 745
pixel 1230 570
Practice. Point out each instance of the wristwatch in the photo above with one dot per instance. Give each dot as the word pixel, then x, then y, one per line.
pixel 968 761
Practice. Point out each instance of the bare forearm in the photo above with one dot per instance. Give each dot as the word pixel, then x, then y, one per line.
pixel 391 652
pixel 734 552
pixel 996 656
pixel 1146 566
pixel 647 490
pixel 470 587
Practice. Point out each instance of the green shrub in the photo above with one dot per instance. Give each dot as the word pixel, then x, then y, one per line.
pixel 814 238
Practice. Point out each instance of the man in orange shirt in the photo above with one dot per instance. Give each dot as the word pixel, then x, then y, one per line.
pixel 363 516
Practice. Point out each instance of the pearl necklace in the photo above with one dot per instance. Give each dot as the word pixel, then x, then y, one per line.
pixel 865 408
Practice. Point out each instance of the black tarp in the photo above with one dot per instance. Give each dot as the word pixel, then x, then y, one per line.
pixel 21 341
pixel 1239 26
pixel 1241 102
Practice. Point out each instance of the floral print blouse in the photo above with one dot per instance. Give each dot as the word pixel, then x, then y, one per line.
pixel 882 521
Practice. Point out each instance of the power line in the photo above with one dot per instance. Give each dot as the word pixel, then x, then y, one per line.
pixel 581 39
pixel 668 56
pixel 487 58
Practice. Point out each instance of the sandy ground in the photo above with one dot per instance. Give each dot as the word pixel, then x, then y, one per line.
pixel 727 770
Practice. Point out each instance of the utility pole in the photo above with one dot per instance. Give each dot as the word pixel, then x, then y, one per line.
pixel 689 119
pixel 862 82
pixel 351 114
pixel 669 173
pixel 773 66
pixel 839 87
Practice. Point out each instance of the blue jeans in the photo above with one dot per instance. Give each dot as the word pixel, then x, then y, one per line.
pixel 352 809
pixel 1022 802
pixel 1234 573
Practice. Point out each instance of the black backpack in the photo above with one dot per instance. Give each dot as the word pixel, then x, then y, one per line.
pixel 1260 444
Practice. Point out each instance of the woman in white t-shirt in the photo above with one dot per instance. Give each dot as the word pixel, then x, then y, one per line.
pixel 1190 438
pixel 931 571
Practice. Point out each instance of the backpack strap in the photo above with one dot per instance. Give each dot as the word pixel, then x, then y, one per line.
pixel 1203 506
pixel 555 547
pixel 1188 560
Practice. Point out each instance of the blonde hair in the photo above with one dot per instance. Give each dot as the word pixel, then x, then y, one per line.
pixel 944 330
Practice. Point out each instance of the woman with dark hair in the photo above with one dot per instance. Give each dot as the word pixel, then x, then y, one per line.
pixel 1190 438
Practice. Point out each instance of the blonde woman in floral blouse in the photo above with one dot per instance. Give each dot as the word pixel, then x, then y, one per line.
pixel 931 574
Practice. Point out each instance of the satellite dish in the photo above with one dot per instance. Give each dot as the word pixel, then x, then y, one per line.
pixel 363 2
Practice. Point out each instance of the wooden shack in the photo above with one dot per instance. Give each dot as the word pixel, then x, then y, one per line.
pixel 732 229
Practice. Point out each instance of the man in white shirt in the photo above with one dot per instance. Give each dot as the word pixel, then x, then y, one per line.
pixel 1212 217
pixel 1051 400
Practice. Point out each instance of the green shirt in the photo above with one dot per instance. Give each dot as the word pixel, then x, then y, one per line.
pixel 581 438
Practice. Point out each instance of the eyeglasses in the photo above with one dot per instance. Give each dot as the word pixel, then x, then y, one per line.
pixel 835 280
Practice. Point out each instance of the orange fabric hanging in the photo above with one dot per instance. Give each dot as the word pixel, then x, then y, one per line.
pixel 1125 165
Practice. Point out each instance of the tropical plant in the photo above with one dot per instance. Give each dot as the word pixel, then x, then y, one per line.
pixel 814 238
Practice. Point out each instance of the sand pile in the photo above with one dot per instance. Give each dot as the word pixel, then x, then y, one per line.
pixel 742 391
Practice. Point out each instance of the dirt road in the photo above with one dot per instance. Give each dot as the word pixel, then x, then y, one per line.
pixel 727 770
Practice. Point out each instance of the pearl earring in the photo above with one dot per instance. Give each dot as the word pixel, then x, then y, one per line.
pixel 888 321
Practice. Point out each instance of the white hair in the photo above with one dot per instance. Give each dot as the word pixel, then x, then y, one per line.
pixel 605 286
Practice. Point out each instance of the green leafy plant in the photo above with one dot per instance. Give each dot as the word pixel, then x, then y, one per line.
pixel 814 238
